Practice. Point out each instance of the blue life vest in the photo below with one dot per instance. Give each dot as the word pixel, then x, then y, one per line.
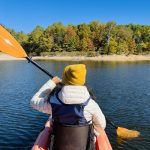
pixel 69 114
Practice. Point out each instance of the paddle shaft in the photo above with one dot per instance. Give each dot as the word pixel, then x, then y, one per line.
pixel 38 66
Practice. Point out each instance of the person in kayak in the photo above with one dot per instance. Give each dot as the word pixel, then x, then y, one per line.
pixel 70 106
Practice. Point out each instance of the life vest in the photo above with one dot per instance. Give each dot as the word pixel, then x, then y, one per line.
pixel 71 130
pixel 69 114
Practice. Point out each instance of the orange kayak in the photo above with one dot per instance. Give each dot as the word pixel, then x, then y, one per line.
pixel 44 139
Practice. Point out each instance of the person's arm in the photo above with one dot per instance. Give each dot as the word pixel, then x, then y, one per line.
pixel 99 123
pixel 93 111
pixel 40 99
pixel 98 117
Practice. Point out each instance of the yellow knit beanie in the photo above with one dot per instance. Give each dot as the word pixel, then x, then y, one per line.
pixel 74 74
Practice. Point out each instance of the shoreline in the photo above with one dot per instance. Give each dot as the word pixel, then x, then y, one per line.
pixel 5 57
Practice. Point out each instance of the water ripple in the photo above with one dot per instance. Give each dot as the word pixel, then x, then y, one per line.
pixel 122 91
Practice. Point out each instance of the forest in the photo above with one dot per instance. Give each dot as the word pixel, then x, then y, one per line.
pixel 90 39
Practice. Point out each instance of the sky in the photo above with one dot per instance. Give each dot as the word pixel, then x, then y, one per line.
pixel 25 15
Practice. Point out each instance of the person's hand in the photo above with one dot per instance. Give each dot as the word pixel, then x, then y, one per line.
pixel 49 125
pixel 56 80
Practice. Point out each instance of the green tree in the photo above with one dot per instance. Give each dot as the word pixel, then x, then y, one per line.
pixel 123 36
pixel 108 38
pixel 108 34
pixel 21 37
pixel 71 39
pixel 97 34
pixel 57 31
pixel 46 42
pixel 113 46
pixel 33 40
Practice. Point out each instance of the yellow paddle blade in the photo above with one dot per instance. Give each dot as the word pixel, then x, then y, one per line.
pixel 126 134
pixel 9 45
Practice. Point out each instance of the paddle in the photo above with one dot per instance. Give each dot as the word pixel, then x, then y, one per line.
pixel 123 132
pixel 9 45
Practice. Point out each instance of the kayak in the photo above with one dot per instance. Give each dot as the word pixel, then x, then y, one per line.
pixel 43 141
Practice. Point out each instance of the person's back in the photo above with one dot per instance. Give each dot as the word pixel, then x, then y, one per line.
pixel 71 105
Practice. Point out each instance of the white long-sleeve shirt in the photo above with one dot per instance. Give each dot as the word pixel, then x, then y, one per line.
pixel 69 95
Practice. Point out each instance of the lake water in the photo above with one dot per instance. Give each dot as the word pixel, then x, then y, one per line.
pixel 122 91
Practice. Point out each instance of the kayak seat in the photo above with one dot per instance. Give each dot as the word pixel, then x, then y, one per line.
pixel 73 137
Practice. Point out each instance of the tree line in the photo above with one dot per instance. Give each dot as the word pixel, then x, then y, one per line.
pixel 94 38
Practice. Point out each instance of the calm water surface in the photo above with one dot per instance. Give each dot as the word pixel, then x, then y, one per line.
pixel 122 91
